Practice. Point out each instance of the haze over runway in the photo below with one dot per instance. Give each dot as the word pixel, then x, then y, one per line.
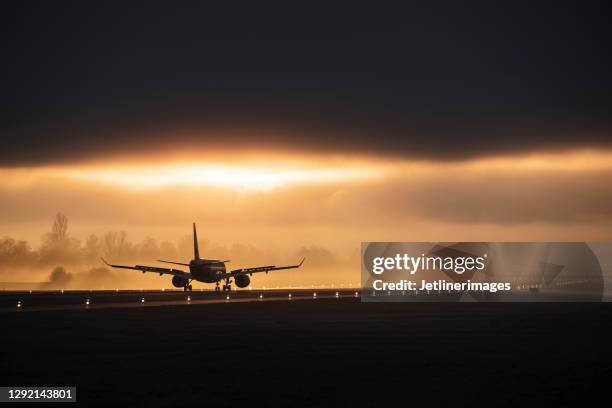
pixel 37 301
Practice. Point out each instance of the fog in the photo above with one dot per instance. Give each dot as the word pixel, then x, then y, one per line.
pixel 555 197
pixel 65 262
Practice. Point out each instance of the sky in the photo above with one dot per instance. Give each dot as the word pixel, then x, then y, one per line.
pixel 307 130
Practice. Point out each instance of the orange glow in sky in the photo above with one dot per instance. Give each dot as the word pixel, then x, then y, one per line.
pixel 277 172
pixel 217 175
pixel 279 208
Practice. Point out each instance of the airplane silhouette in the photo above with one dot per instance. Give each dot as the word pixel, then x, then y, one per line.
pixel 206 270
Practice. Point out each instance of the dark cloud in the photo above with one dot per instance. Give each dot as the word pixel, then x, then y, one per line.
pixel 437 80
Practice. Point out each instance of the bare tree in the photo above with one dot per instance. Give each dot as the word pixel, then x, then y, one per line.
pixel 60 227
pixel 58 246
pixel 115 243
pixel 93 246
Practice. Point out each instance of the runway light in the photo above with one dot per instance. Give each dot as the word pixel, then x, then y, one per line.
pixel 227 297
pixel 289 296
pixel 117 290
pixel 356 294
pixel 337 294
pixel 19 304
pixel 30 291
pixel 87 302
pixel 163 289
pixel 142 300
pixel 314 295
pixel 189 298
pixel 62 291
pixel 261 295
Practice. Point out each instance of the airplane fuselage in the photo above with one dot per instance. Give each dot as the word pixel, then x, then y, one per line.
pixel 205 270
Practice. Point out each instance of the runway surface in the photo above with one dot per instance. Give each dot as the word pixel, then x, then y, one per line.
pixel 308 352
pixel 26 301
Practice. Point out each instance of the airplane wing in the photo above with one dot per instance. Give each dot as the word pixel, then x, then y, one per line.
pixel 257 269
pixel 153 269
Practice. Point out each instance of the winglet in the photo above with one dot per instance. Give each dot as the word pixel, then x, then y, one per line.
pixel 300 264
pixel 104 260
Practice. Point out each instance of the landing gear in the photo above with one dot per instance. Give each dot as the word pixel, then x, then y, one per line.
pixel 227 286
pixel 187 288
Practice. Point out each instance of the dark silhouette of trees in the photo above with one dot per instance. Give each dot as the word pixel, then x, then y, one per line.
pixel 60 277
pixel 15 253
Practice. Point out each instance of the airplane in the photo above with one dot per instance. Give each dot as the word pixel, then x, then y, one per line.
pixel 205 270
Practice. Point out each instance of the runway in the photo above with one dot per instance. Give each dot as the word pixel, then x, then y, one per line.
pixel 326 351
pixel 26 301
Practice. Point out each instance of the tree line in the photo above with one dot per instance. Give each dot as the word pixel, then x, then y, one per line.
pixel 58 246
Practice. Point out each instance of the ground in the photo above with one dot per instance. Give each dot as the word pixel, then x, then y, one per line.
pixel 317 352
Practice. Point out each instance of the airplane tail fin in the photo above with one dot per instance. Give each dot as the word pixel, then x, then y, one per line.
pixel 196 251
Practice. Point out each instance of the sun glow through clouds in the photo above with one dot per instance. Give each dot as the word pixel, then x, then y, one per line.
pixel 234 177
pixel 267 173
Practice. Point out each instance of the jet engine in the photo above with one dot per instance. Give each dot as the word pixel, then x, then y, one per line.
pixel 179 281
pixel 242 281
